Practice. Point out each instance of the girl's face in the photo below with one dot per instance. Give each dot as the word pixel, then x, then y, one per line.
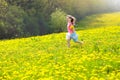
pixel 68 19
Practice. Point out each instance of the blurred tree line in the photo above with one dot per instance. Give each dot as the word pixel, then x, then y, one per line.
pixel 23 18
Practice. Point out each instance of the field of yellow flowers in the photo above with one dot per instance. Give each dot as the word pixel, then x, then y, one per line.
pixel 48 58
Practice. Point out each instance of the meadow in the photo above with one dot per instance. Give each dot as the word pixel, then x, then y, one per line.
pixel 48 57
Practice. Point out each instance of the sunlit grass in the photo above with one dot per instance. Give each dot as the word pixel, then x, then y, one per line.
pixel 100 20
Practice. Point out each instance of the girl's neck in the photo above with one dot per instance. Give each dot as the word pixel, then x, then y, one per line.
pixel 70 22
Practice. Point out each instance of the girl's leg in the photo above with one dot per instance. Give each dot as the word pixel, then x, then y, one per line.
pixel 80 42
pixel 68 42
pixel 75 38
pixel 68 39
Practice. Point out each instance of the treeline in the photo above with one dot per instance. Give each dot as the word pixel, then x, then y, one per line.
pixel 23 18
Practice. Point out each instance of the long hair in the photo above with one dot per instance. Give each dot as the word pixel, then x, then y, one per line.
pixel 73 19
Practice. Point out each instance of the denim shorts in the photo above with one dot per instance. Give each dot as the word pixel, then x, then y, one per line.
pixel 73 36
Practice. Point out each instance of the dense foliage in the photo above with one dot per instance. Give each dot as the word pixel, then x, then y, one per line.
pixel 19 18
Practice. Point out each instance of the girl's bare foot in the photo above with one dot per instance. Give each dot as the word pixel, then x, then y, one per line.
pixel 81 43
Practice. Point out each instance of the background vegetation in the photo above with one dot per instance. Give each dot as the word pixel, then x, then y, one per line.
pixel 22 18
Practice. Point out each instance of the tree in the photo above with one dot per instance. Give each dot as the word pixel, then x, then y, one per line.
pixel 15 21
pixel 58 21
pixel 3 12
pixel 11 21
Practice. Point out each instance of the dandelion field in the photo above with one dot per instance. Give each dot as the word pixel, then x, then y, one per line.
pixel 48 58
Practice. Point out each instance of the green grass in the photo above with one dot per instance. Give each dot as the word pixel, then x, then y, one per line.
pixel 100 20
pixel 48 58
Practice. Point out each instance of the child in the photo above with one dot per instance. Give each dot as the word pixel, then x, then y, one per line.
pixel 71 31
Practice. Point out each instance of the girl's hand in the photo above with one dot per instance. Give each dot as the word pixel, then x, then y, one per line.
pixel 72 27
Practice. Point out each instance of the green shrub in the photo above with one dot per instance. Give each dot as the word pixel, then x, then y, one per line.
pixel 58 21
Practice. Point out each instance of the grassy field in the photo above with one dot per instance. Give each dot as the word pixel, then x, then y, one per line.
pixel 94 21
pixel 48 58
